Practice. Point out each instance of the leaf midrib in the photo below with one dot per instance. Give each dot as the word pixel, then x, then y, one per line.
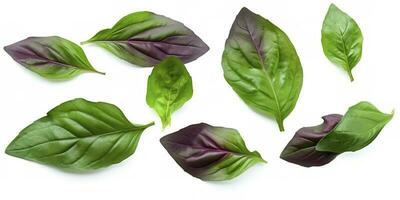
pixel 123 131
pixel 342 33
pixel 168 106
pixel 216 150
pixel 279 117
pixel 145 41
pixel 65 65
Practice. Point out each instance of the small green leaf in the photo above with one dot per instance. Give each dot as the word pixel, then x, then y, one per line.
pixel 169 86
pixel 51 57
pixel 341 39
pixel 78 135
pixel 359 127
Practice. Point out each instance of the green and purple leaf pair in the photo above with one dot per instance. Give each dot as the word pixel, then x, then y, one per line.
pixel 319 145
pixel 51 57
pixel 78 135
pixel 210 153
pixel 261 65
pixel 169 86
pixel 145 39
pixel 342 39
pixel 301 149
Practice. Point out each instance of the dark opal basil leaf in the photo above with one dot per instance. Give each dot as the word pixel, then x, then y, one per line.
pixel 341 39
pixel 78 135
pixel 261 65
pixel 301 149
pixel 145 38
pixel 210 153
pixel 359 127
pixel 169 86
pixel 50 57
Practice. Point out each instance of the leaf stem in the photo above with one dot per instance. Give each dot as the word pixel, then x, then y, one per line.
pixel 102 73
pixel 148 125
pixel 280 124
pixel 85 42
pixel 350 75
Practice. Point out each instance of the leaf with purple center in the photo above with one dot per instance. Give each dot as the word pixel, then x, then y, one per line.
pixel 210 153
pixel 145 38
pixel 51 57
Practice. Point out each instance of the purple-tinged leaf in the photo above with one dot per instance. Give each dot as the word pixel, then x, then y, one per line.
pixel 50 57
pixel 261 65
pixel 145 38
pixel 210 153
pixel 301 149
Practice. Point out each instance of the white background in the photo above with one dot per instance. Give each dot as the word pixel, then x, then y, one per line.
pixel 372 173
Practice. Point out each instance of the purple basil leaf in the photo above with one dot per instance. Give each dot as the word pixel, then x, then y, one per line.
pixel 210 153
pixel 145 38
pixel 301 149
pixel 50 57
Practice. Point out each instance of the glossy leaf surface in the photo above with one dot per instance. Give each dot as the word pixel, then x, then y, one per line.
pixel 50 57
pixel 301 149
pixel 145 38
pixel 169 86
pixel 78 135
pixel 261 65
pixel 359 127
pixel 342 39
pixel 210 153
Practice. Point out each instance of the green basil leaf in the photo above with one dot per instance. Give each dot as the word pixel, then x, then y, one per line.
pixel 261 65
pixel 78 135
pixel 169 86
pixel 50 57
pixel 145 38
pixel 210 153
pixel 359 127
pixel 341 39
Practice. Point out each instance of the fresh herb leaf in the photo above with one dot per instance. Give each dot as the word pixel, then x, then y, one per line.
pixel 341 39
pixel 210 153
pixel 169 86
pixel 261 65
pixel 301 148
pixel 145 38
pixel 78 135
pixel 51 57
pixel 359 127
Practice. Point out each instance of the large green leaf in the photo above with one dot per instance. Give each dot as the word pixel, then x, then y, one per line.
pixel 169 86
pixel 78 135
pixel 341 39
pixel 262 66
pixel 210 153
pixel 359 127
pixel 50 57
pixel 145 38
